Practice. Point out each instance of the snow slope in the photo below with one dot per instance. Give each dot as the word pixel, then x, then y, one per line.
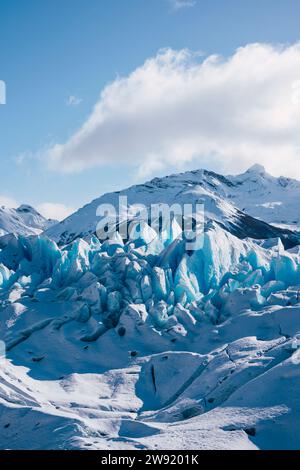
pixel 24 220
pixel 274 200
pixel 245 205
pixel 145 346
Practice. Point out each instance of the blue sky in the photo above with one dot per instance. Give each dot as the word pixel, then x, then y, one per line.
pixel 57 56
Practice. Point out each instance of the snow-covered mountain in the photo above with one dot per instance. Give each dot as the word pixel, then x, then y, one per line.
pixel 274 200
pixel 24 220
pixel 253 204
pixel 143 344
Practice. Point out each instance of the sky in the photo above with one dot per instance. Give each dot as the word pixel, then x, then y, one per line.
pixel 104 94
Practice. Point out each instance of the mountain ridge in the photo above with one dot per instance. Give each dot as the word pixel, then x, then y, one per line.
pixel 254 199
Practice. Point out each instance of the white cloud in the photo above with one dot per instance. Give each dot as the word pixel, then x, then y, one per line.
pixel 55 211
pixel 179 4
pixel 73 101
pixel 8 202
pixel 174 110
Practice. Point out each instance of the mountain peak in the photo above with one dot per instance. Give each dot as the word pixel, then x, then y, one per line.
pixel 25 220
pixel 257 169
pixel 26 208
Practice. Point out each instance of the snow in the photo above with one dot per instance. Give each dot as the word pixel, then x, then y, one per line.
pixel 24 220
pixel 142 344
pixel 244 204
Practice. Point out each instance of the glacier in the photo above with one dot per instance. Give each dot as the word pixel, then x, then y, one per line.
pixel 141 344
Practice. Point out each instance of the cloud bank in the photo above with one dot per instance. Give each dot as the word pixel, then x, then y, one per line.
pixel 7 201
pixel 55 211
pixel 178 109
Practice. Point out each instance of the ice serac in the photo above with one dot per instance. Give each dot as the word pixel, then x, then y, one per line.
pixel 4 275
pixel 225 275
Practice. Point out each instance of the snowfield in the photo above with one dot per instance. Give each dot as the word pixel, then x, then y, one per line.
pixel 145 345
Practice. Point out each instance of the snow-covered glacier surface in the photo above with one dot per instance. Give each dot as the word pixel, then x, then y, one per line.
pixel 143 345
